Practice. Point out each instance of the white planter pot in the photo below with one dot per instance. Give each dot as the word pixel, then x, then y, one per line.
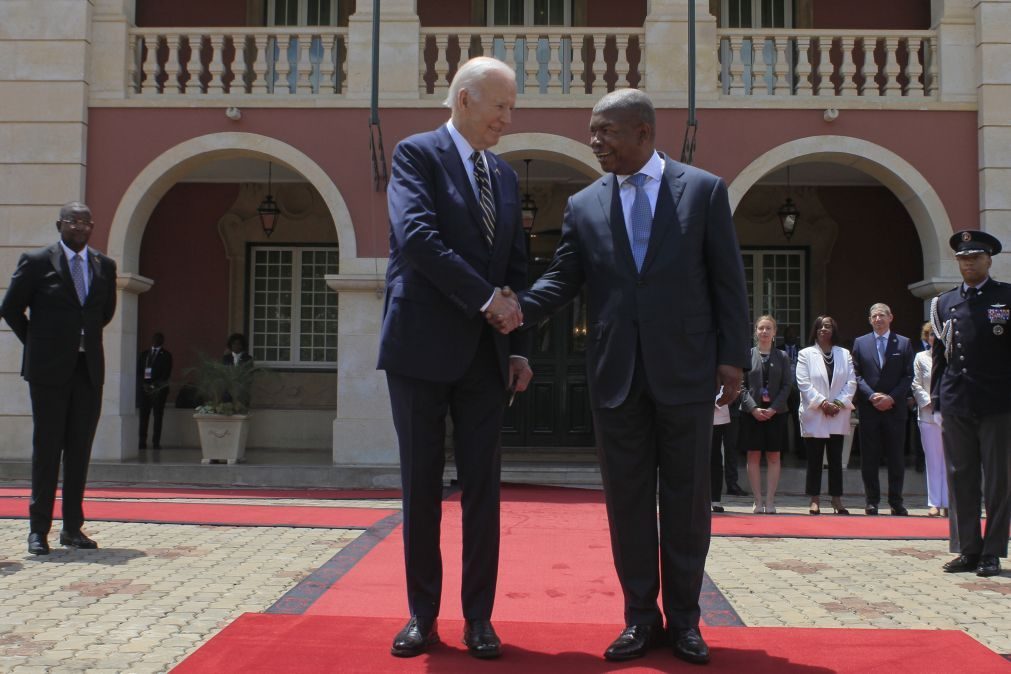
pixel 222 438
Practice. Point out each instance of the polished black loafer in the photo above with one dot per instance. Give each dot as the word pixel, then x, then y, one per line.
pixel 480 639
pixel 75 539
pixel 899 511
pixel 37 544
pixel 962 564
pixel 735 490
pixel 418 634
pixel 989 565
pixel 689 646
pixel 871 509
pixel 634 641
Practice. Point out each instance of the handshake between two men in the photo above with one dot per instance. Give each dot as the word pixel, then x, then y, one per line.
pixel 504 313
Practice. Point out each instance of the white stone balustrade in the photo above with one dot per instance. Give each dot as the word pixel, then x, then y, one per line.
pixel 238 62
pixel 549 61
pixel 821 63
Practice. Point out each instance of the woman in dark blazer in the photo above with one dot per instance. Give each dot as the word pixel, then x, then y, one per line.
pixel 764 396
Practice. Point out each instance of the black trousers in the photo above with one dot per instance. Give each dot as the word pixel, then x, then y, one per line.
pixel 65 419
pixel 152 402
pixel 882 434
pixel 723 457
pixel 477 405
pixel 641 444
pixel 970 444
pixel 815 449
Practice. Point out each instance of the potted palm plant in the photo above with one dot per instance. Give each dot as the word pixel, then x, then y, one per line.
pixel 223 415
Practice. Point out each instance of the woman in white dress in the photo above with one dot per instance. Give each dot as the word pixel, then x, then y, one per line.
pixel 930 430
pixel 826 382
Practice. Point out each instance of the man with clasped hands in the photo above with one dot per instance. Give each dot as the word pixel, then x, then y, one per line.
pixel 456 246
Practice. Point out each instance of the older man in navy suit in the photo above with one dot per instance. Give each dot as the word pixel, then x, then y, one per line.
pixel 456 246
pixel 59 300
pixel 883 362
pixel 654 244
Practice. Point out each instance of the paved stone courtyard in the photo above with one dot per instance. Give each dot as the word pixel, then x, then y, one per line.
pixel 153 593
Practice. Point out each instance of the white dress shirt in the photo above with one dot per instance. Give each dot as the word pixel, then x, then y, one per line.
pixel 654 170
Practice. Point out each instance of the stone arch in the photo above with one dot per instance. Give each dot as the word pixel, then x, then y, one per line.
pixel 151 184
pixel 929 216
pixel 550 147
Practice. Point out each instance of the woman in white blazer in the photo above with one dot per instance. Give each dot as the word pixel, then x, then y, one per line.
pixel 826 382
pixel 930 430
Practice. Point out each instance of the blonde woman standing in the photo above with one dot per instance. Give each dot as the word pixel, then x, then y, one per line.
pixel 763 412
pixel 826 381
pixel 929 422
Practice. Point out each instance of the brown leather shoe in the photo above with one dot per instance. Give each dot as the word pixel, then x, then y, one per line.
pixel 480 639
pixel 634 641
pixel 690 646
pixel 418 634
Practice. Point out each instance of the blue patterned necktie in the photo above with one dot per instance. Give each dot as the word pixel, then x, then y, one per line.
pixel 881 351
pixel 77 274
pixel 485 200
pixel 642 219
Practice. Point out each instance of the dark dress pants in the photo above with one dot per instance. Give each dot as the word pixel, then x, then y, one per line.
pixel 816 450
pixel 971 443
pixel 152 403
pixel 640 443
pixel 477 405
pixel 723 457
pixel 65 419
pixel 882 433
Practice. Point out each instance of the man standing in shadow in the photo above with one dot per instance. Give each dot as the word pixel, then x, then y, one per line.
pixel 69 291
pixel 154 369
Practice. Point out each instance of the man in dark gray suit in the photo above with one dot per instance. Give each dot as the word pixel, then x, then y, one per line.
pixel 654 243
pixel 70 292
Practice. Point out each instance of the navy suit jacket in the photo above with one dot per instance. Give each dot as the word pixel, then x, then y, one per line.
pixel 687 310
pixel 41 285
pixel 893 379
pixel 441 269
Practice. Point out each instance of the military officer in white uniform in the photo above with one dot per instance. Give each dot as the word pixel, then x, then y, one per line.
pixel 971 387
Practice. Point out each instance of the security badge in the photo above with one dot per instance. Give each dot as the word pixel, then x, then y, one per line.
pixel 999 314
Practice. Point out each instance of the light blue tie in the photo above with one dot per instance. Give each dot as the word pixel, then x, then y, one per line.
pixel 77 274
pixel 642 219
pixel 881 351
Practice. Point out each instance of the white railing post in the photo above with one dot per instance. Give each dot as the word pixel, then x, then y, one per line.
pixel 825 68
pixel 737 65
pixel 151 70
pixel 805 87
pixel 215 85
pixel 328 64
pixel 260 83
pixel 783 73
pixel 576 79
pixel 869 69
pixel 531 66
pixel 848 67
pixel 554 64
pixel 892 86
pixel 303 76
pixel 599 64
pixel 621 60
pixel 914 69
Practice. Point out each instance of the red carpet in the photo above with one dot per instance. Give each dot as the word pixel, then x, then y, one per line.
pixel 830 526
pixel 222 514
pixel 322 644
pixel 195 492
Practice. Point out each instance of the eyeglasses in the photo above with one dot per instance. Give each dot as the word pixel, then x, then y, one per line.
pixel 78 224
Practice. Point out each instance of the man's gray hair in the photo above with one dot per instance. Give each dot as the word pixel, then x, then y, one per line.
pixel 470 75
pixel 880 306
pixel 632 101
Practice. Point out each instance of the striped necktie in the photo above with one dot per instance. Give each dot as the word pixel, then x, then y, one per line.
pixel 484 198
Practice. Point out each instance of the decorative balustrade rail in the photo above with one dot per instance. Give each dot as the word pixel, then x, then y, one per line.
pixel 549 61
pixel 238 61
pixel 776 62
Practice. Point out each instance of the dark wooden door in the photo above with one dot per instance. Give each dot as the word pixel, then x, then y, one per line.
pixel 555 410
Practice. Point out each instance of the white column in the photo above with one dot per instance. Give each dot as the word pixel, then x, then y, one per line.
pixel 110 48
pixel 993 53
pixel 666 52
pixel 400 33
pixel 118 429
pixel 363 433
pixel 955 24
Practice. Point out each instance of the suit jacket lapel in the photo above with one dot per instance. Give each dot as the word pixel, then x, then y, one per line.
pixel 457 171
pixel 665 218
pixel 96 274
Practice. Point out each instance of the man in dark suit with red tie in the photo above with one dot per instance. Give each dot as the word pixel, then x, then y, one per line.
pixel 154 369
pixel 653 242
pixel 456 238
pixel 69 291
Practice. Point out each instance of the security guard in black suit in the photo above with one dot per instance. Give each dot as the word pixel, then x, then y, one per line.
pixel 154 369
pixel 971 387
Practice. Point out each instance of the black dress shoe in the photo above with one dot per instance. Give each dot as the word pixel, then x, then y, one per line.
pixel 689 646
pixel 418 634
pixel 480 639
pixel 962 564
pixel 717 508
pixel 735 490
pixel 37 544
pixel 634 641
pixel 989 565
pixel 899 511
pixel 871 509
pixel 75 539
